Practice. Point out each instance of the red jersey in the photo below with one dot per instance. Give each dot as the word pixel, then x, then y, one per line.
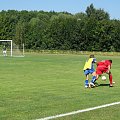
pixel 102 66
pixel 104 63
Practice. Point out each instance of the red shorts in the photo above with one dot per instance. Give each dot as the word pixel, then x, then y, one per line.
pixel 101 69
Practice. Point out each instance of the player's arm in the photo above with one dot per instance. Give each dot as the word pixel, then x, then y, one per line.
pixel 94 60
pixel 109 67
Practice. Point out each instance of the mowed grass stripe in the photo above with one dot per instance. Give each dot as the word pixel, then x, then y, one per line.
pixel 43 85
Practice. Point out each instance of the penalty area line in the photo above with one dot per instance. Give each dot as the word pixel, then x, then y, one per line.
pixel 79 111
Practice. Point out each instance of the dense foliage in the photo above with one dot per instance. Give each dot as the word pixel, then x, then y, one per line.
pixel 89 31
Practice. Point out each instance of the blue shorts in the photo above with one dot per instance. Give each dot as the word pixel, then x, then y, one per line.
pixel 89 71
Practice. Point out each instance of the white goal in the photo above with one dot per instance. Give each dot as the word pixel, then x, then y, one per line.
pixel 11 48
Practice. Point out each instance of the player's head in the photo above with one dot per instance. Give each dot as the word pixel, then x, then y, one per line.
pixel 92 56
pixel 110 61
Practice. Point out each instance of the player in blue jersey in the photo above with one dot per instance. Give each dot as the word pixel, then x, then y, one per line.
pixel 89 69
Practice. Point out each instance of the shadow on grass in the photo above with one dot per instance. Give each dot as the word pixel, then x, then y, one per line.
pixel 104 84
pixel 100 85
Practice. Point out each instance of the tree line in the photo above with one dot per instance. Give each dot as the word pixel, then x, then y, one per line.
pixel 40 30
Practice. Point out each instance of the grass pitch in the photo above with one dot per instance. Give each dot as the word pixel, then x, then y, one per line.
pixel 38 86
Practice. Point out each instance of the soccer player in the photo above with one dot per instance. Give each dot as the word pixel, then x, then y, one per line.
pixel 89 69
pixel 104 67
pixel 4 51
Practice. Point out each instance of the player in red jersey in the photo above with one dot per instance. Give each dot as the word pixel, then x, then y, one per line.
pixel 104 67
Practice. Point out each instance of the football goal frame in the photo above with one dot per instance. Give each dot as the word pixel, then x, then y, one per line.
pixel 11 48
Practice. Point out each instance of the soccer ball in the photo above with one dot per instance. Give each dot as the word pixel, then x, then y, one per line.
pixel 103 78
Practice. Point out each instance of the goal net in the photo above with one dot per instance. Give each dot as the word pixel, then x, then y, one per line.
pixel 9 48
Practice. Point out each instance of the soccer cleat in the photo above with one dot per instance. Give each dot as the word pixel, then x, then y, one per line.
pixel 92 84
pixel 86 86
pixel 111 85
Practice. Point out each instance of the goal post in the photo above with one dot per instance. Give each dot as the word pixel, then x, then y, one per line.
pixel 13 48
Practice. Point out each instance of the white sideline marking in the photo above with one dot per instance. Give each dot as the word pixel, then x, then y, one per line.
pixel 79 111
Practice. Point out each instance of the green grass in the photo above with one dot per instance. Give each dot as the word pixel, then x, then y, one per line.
pixel 41 85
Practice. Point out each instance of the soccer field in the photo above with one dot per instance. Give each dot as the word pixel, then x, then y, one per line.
pixel 43 85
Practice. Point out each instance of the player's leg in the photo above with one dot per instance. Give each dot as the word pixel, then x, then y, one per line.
pixel 93 79
pixel 5 53
pixel 97 74
pixel 87 81
pixel 110 78
pixel 86 72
